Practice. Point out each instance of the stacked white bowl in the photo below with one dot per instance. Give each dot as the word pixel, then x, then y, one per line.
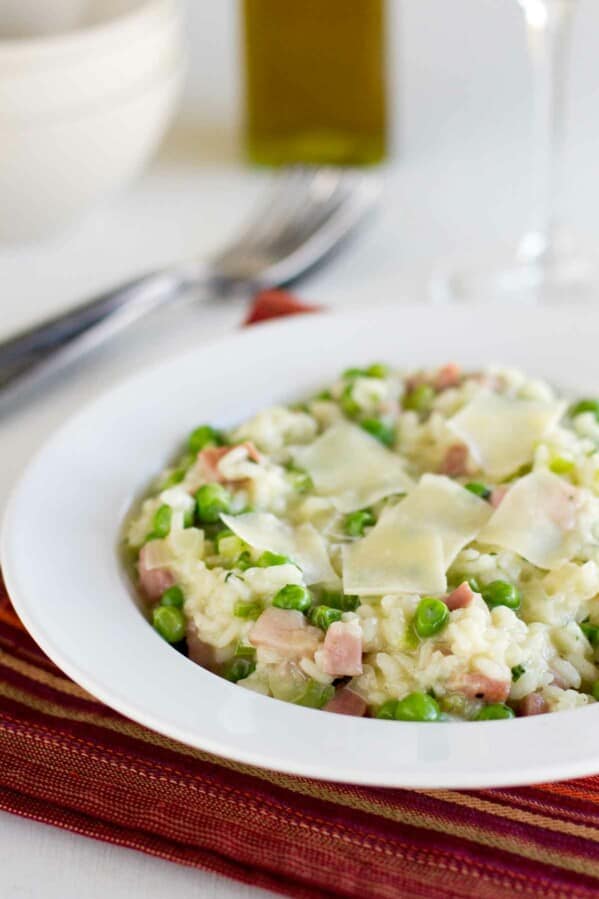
pixel 87 90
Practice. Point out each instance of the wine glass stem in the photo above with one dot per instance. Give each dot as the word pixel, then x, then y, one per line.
pixel 547 27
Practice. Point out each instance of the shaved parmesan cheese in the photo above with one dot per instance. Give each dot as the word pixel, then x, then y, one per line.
pixel 502 432
pixel 302 544
pixel 394 558
pixel 444 507
pixel 536 519
pixel 352 468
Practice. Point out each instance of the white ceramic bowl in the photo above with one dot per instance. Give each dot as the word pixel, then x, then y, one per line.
pixel 82 108
pixel 61 532
pixel 52 172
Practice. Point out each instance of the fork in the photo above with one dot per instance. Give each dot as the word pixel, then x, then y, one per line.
pixel 306 215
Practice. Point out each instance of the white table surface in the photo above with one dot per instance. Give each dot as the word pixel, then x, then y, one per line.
pixel 456 187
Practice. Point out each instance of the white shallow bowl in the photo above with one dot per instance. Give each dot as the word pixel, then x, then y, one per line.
pixel 81 110
pixel 61 531
pixel 52 172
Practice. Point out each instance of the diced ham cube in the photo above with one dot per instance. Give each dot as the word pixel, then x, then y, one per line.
pixel 498 494
pixel 286 632
pixel 153 581
pixel 346 702
pixel 197 650
pixel 459 598
pixel 448 375
pixel 478 686
pixel 533 704
pixel 455 461
pixel 210 457
pixel 342 652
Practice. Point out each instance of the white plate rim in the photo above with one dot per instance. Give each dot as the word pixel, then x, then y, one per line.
pixel 428 756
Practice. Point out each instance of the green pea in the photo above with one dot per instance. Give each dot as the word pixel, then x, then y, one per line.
pixel 245 651
pixel 431 616
pixel 173 597
pixel 324 395
pixel 377 370
pixel 501 593
pixel 387 710
pixel 478 489
pixel 591 632
pixel 293 596
pixel 169 621
pixel 249 610
pixel 420 399
pixel 238 668
pixel 212 501
pixel 300 480
pixel 347 602
pixel 323 616
pixel 268 560
pixel 161 523
pixel 385 434
pixel 202 437
pixel 417 707
pixel 350 374
pixel 517 672
pixel 494 712
pixel 348 403
pixel 356 522
pixel 595 690
pixel 316 695
pixel 175 477
pixel 585 405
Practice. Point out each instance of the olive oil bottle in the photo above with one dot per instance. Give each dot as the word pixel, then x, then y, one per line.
pixel 315 85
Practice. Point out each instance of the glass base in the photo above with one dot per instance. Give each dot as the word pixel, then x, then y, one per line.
pixel 555 279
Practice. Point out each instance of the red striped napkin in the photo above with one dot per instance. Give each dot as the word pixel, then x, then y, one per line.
pixel 67 760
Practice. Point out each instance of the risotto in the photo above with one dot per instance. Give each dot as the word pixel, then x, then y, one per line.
pixel 417 546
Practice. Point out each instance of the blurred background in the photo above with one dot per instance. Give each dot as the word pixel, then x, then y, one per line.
pixel 459 126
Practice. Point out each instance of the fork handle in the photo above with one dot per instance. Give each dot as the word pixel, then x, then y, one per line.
pixel 38 352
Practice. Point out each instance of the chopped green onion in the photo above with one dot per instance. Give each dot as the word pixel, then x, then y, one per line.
pixel 517 672
pixel 377 370
pixel 559 465
pixel 420 399
pixel 347 602
pixel 385 434
pixel 268 560
pixel 348 403
pixel 591 632
pixel 586 405
pixel 356 522
pixel 478 489
pixel 244 561
pixel 316 695
pixel 251 610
